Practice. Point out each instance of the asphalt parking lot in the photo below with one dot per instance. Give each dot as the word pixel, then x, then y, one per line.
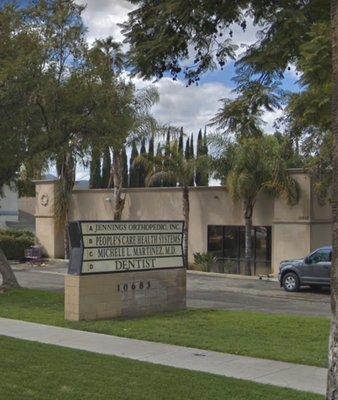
pixel 206 291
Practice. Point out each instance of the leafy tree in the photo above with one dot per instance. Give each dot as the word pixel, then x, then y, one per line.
pixel 169 40
pixel 20 54
pixel 130 120
pixel 61 98
pixel 95 169
pixel 106 168
pixel 32 168
pixel 255 166
pixel 332 382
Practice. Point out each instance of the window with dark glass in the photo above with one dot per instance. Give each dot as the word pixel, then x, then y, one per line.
pixel 215 243
pixel 321 255
pixel 228 244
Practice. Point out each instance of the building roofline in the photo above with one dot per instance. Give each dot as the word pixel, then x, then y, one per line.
pixel 155 189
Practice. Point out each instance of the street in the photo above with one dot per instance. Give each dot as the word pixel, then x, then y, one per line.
pixel 207 291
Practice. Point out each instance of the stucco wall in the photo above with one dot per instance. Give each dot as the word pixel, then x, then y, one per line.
pixel 296 230
pixel 47 232
pixel 208 206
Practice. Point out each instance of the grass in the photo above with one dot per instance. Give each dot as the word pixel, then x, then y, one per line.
pixel 301 340
pixel 34 371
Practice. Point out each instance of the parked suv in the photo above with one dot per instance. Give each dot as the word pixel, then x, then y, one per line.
pixel 314 270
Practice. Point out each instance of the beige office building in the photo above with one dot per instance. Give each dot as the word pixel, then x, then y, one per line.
pixel 216 222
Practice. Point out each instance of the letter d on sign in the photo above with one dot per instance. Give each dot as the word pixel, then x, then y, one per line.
pixel 119 265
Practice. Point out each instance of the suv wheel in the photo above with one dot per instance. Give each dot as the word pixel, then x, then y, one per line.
pixel 291 282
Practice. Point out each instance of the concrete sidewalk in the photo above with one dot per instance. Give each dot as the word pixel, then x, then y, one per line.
pixel 293 376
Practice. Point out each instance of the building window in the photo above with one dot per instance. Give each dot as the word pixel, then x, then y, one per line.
pixel 227 243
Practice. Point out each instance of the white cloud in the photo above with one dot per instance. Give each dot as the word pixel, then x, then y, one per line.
pixel 269 118
pixel 102 16
pixel 190 107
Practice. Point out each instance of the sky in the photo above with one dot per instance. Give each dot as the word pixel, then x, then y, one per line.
pixel 192 107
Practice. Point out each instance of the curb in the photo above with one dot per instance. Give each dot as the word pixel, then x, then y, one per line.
pixel 234 276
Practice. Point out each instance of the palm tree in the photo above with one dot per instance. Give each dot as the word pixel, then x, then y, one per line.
pixel 172 166
pixel 111 54
pixel 332 378
pixel 256 165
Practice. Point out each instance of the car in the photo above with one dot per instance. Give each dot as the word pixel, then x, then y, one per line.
pixel 314 270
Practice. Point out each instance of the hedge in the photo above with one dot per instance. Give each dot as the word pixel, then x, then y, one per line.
pixel 14 243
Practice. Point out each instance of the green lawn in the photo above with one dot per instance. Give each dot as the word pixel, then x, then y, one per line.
pixel 295 339
pixel 34 371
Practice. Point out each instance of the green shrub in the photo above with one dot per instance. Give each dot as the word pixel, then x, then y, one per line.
pixel 14 243
pixel 16 233
pixel 204 260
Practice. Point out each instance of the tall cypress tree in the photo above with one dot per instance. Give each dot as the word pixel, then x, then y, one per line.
pixel 187 150
pixel 168 182
pixel 158 183
pixel 205 142
pixel 125 180
pixel 95 169
pixel 133 170
pixel 167 143
pixel 192 151
pixel 180 142
pixel 192 156
pixel 106 168
pixel 151 147
pixel 205 174
pixel 142 170
pixel 200 149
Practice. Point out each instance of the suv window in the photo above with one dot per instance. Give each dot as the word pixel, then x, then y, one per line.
pixel 323 255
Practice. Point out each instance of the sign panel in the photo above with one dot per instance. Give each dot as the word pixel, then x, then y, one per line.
pixel 120 246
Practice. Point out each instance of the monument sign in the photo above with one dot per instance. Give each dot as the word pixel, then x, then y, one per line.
pixel 124 268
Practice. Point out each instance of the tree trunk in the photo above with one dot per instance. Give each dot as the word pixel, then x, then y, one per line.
pixel 9 280
pixel 248 241
pixel 186 212
pixel 332 379
pixel 118 201
pixel 67 181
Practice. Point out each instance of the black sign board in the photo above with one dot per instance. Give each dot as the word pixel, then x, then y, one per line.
pixel 122 246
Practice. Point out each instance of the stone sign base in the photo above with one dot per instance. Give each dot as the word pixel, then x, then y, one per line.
pixel 127 294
